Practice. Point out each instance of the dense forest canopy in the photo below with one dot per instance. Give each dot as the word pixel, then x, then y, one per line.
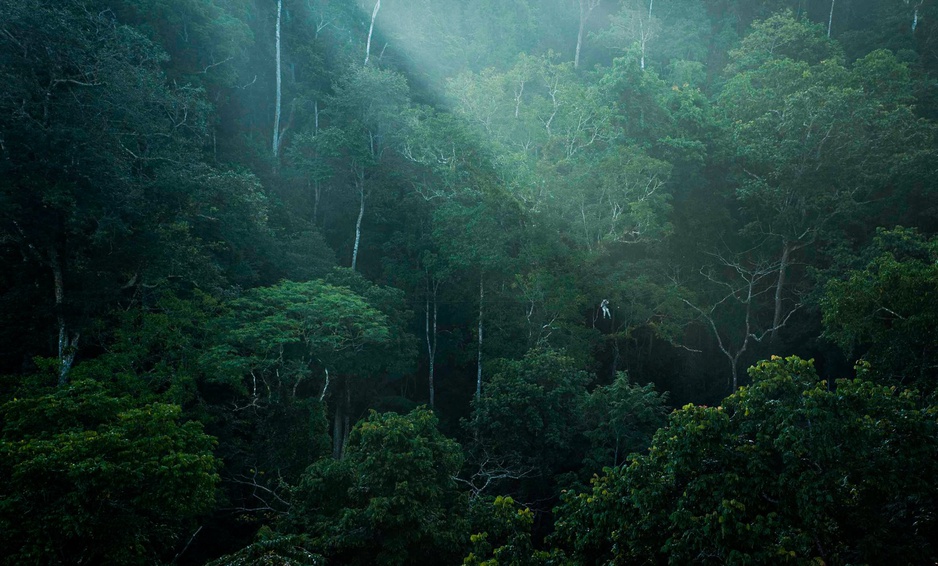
pixel 468 281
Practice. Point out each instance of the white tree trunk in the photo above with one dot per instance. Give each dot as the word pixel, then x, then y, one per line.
pixel 325 388
pixel 479 363
pixel 830 19
pixel 276 137
pixel 358 223
pixel 317 188
pixel 432 335
pixel 779 286
pixel 644 41
pixel 317 196
pixel 371 29
pixel 586 8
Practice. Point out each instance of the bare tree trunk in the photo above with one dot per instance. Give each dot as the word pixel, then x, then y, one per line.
pixel 744 295
pixel 68 344
pixel 337 434
pixel 586 8
pixel 276 136
pixel 317 195
pixel 317 188
pixel 325 388
pixel 735 365
pixel 479 363
pixel 358 223
pixel 644 40
pixel 779 286
pixel 371 29
pixel 340 422
pixel 830 19
pixel 347 420
pixel 748 335
pixel 431 336
pixel 651 3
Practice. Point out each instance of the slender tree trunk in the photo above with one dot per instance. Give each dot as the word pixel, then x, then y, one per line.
pixel 479 362
pixel 347 417
pixel 325 387
pixel 644 40
pixel 779 287
pixel 830 19
pixel 651 3
pixel 586 8
pixel 315 117
pixel 431 337
pixel 735 365
pixel 340 422
pixel 68 343
pixel 579 40
pixel 358 223
pixel 317 188
pixel 371 29
pixel 276 136
pixel 317 195
pixel 429 347
pixel 337 433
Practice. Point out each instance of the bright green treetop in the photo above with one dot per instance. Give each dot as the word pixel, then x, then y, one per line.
pixel 787 470
pixel 92 477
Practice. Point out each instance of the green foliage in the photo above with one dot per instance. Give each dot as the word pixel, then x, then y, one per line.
pixel 91 476
pixel 397 354
pixel 283 351
pixel 153 351
pixel 102 173
pixel 204 38
pixel 786 470
pixel 782 36
pixel 703 158
pixel 529 414
pixel 814 138
pixel 272 549
pixel 280 332
pixel 506 540
pixel 620 419
pixel 391 500
pixel 886 309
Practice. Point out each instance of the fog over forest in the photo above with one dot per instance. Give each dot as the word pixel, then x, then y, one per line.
pixel 480 282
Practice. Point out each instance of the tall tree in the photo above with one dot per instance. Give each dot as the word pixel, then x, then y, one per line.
pixel 367 108
pixel 784 470
pixel 883 308
pixel 816 142
pixel 586 9
pixel 278 94
pixel 103 186
pixel 392 500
